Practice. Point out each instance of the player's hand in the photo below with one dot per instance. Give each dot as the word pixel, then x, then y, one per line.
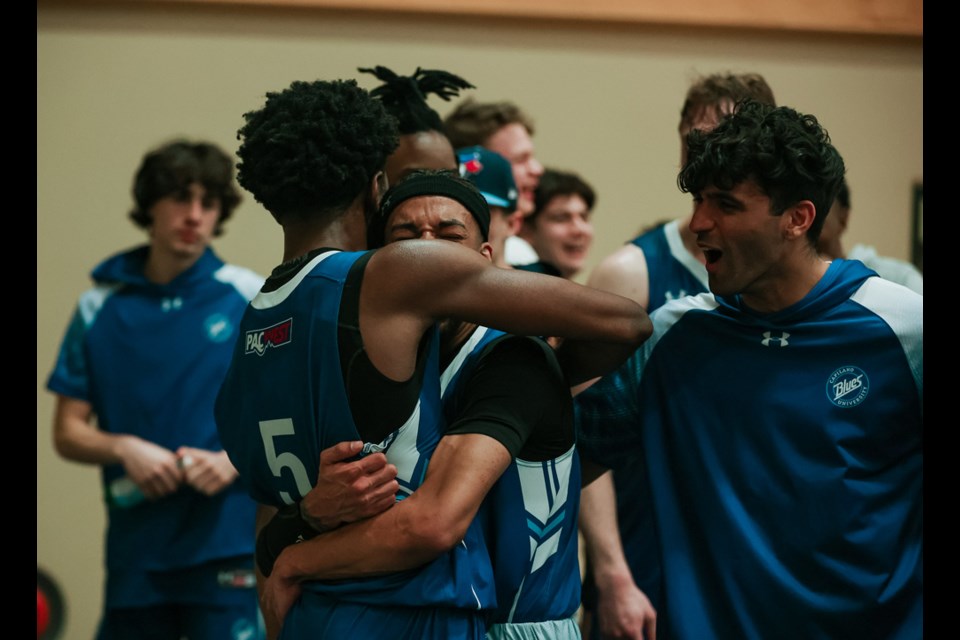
pixel 348 491
pixel 624 611
pixel 277 596
pixel 209 472
pixel 152 467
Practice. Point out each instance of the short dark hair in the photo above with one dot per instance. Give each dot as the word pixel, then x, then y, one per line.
pixel 405 97
pixel 314 148
pixel 786 153
pixel 715 90
pixel 555 183
pixel 173 167
pixel 472 123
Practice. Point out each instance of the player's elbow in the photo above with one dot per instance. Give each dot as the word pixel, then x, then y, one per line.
pixel 433 534
pixel 644 328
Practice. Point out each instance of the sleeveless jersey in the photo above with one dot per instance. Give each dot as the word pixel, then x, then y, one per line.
pixel 284 400
pixel 530 514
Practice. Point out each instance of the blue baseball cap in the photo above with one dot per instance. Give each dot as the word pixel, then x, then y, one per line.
pixel 491 173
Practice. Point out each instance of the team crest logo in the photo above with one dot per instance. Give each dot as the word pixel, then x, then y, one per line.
pixel 848 387
pixel 218 327
pixel 259 340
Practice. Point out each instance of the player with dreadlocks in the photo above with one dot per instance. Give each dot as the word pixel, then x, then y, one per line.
pixel 423 144
pixel 325 362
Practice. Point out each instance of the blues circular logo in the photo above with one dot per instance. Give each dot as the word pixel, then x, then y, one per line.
pixel 848 387
pixel 218 327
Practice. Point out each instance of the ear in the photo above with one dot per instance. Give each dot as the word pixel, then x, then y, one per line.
pixel 796 220
pixel 378 186
pixel 486 249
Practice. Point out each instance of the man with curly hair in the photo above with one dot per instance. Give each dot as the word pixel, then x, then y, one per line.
pixel 778 418
pixel 621 589
pixel 340 348
pixel 136 380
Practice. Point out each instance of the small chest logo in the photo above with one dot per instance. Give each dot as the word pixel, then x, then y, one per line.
pixel 258 340
pixel 848 387
pixel 771 338
pixel 670 295
pixel 218 327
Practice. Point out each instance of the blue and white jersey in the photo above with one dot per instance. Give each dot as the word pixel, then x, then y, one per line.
pixel 530 514
pixel 785 460
pixel 149 359
pixel 284 400
pixel 672 272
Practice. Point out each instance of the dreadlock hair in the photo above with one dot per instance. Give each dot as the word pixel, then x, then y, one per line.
pixel 472 123
pixel 170 169
pixel 786 153
pixel 405 97
pixel 716 91
pixel 314 148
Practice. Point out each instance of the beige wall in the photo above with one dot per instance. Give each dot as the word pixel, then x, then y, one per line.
pixel 113 82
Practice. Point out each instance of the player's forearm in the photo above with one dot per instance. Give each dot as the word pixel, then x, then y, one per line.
pixel 77 440
pixel 601 535
pixel 398 539
pixel 414 531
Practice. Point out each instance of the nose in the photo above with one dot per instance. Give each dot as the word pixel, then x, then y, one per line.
pixel 582 226
pixel 535 168
pixel 194 210
pixel 701 220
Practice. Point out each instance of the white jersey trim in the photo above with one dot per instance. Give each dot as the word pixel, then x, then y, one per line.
pixel 273 298
pixel 902 310
pixel 246 282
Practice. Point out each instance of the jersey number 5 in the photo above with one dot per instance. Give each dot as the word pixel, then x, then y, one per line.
pixel 270 429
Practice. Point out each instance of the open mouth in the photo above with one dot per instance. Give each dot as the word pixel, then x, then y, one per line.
pixel 712 255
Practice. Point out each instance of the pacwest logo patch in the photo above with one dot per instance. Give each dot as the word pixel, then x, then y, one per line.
pixel 258 340
pixel 847 387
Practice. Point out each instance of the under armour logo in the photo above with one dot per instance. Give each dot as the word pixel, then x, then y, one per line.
pixel 768 337
pixel 169 304
pixel 675 296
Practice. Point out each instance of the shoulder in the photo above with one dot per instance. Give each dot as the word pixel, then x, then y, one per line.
pixel 246 282
pixel 896 304
pixel 623 272
pixel 92 301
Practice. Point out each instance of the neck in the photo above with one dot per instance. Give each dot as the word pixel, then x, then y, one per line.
pixel 347 232
pixel 832 250
pixel 162 268
pixel 792 282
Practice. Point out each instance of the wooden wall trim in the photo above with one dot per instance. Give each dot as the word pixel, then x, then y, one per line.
pixel 860 17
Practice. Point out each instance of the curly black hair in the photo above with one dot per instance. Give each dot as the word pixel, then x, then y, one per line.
pixel 170 169
pixel 314 148
pixel 788 154
pixel 405 97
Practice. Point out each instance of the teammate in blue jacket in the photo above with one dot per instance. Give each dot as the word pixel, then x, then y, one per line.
pixel 621 587
pixel 136 379
pixel 779 417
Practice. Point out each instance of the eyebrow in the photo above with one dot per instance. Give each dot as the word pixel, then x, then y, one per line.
pixel 444 224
